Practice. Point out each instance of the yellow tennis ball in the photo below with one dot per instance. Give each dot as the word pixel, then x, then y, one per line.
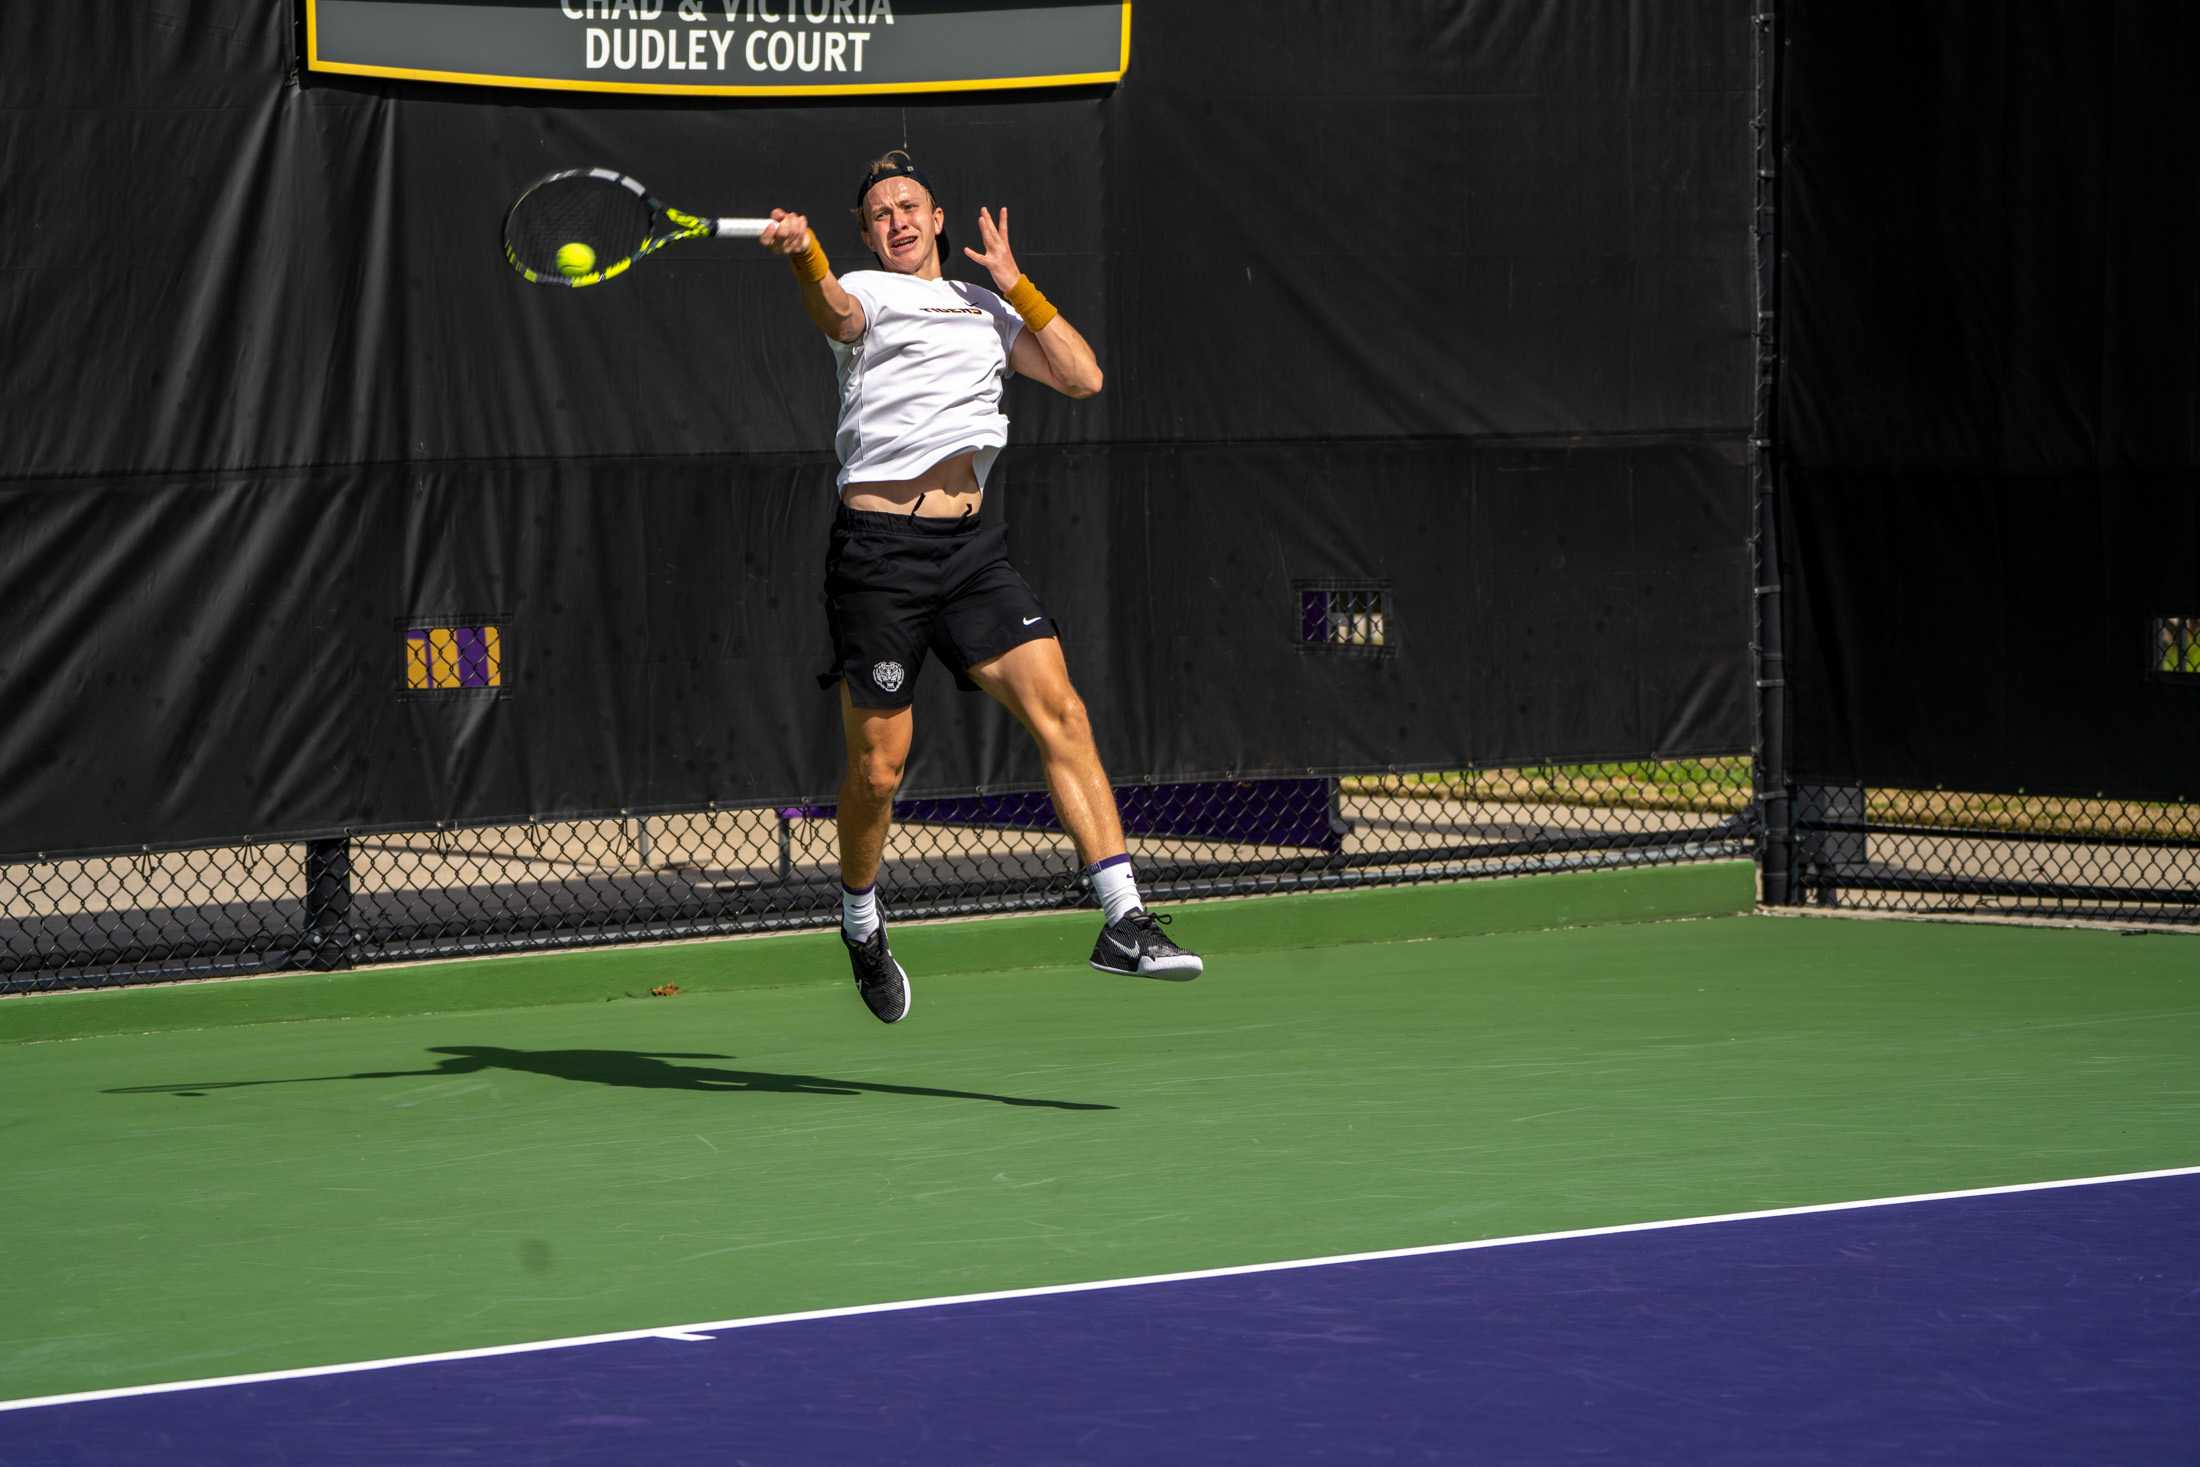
pixel 576 258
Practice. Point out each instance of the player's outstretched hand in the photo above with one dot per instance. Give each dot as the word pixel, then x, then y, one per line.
pixel 787 234
pixel 998 259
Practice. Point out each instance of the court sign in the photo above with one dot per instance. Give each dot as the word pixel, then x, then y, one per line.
pixel 798 48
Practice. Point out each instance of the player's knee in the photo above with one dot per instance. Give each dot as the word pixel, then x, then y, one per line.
pixel 875 777
pixel 1061 717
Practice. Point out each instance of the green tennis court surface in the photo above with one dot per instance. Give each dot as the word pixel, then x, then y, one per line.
pixel 249 1176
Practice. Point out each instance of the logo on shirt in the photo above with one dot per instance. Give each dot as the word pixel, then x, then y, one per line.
pixel 951 310
pixel 887 675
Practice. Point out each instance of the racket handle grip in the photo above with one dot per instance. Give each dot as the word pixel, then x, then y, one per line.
pixel 741 228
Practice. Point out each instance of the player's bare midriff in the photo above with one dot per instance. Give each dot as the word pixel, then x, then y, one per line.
pixel 946 490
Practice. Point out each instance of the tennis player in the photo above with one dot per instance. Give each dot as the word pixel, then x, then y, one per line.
pixel 913 567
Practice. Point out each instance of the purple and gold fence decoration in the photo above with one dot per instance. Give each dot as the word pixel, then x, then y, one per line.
pixel 447 657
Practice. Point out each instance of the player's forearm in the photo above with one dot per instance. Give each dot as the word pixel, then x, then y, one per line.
pixel 1070 356
pixel 835 312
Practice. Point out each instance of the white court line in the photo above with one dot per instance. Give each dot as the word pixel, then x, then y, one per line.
pixel 700 1331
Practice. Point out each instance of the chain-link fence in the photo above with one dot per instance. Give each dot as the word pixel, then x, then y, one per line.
pixel 2054 857
pixel 1935 851
pixel 155 915
pixel 77 922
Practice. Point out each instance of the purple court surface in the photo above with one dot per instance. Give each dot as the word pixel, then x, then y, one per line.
pixel 2048 1326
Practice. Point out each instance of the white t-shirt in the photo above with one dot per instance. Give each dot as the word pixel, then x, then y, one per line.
pixel 923 381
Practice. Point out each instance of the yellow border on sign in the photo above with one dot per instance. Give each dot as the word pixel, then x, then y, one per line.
pixel 670 89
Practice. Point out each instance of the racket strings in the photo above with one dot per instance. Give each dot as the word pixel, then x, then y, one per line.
pixel 612 220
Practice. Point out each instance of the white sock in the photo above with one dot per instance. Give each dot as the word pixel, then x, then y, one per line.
pixel 1117 889
pixel 859 912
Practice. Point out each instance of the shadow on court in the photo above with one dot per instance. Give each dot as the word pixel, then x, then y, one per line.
pixel 645 1070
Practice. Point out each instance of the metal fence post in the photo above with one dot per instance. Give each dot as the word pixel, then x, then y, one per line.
pixel 1770 778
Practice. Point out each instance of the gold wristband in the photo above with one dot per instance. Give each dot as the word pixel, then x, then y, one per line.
pixel 1035 308
pixel 811 264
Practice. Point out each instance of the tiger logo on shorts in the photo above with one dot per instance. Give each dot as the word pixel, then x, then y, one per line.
pixel 887 675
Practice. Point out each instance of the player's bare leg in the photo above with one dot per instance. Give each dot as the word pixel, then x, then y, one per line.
pixel 878 749
pixel 1032 681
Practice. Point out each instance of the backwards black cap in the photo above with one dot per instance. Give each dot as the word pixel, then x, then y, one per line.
pixel 894 165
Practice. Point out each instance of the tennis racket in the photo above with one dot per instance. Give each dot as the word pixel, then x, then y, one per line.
pixel 587 225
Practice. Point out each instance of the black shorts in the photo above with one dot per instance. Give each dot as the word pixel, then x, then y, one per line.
pixel 896 586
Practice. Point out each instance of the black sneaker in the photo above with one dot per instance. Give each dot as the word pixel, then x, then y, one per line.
pixel 884 986
pixel 1137 945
